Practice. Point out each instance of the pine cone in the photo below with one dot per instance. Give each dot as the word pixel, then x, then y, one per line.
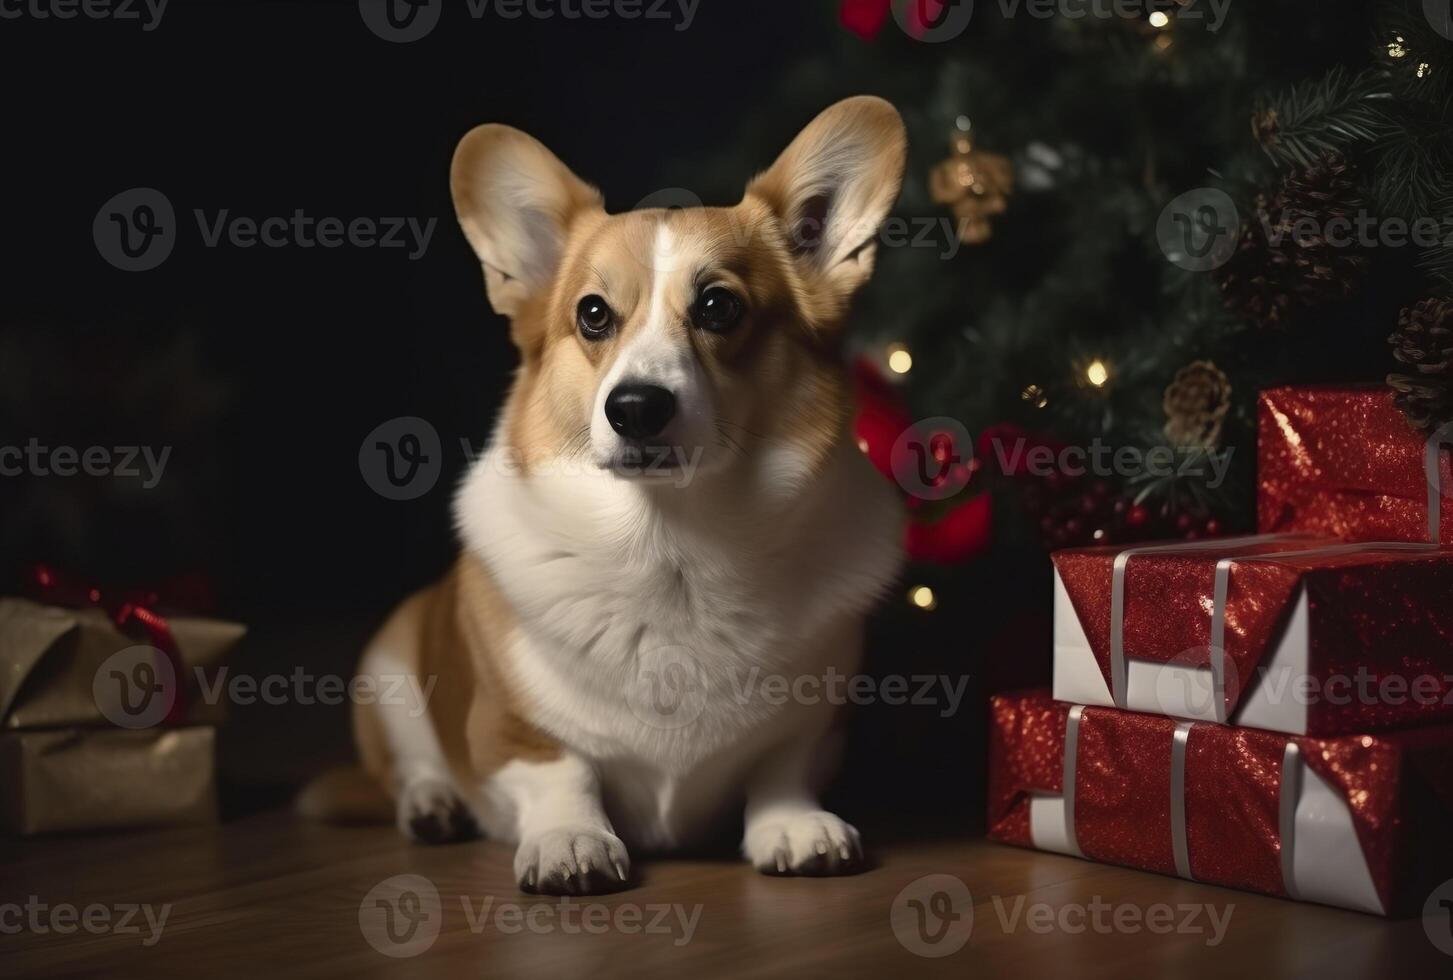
pixel 1196 404
pixel 1284 264
pixel 1424 342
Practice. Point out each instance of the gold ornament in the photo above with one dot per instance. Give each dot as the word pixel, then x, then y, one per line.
pixel 1196 404
pixel 974 184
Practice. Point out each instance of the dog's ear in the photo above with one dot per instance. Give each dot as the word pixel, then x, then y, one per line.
pixel 832 188
pixel 515 202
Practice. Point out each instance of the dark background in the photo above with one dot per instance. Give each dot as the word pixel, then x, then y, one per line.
pixel 265 368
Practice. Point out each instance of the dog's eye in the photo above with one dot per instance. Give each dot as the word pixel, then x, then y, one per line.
pixel 717 308
pixel 594 317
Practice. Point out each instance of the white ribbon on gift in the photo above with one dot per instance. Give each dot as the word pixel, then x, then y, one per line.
pixel 1118 682
pixel 1223 588
pixel 1288 795
pixel 1118 664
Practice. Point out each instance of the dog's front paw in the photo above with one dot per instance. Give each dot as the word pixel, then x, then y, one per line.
pixel 430 812
pixel 572 861
pixel 813 842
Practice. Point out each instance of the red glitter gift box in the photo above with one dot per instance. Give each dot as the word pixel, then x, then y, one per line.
pixel 1340 460
pixel 1289 633
pixel 1357 821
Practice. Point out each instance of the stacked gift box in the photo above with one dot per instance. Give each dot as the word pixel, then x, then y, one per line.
pixel 1271 712
pixel 102 723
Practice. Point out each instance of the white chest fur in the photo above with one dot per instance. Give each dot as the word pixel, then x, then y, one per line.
pixel 646 622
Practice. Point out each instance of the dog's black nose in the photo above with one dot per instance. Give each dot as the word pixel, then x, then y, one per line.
pixel 639 411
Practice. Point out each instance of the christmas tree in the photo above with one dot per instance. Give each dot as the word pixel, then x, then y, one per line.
pixel 1120 222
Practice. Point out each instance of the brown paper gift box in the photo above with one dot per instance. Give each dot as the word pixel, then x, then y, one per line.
pixel 74 779
pixel 49 656
pixel 63 765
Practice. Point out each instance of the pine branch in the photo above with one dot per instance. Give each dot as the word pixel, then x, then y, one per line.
pixel 1316 118
pixel 1413 178
pixel 1437 261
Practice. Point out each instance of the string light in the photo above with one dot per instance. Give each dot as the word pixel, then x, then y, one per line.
pixel 1395 47
pixel 899 360
pixel 922 597
pixel 1097 373
pixel 1423 69
pixel 1035 395
pixel 1159 19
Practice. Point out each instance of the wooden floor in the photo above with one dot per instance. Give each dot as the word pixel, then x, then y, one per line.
pixel 271 897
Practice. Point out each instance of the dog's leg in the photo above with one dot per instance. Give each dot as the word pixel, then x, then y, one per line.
pixel 787 830
pixel 567 845
pixel 400 746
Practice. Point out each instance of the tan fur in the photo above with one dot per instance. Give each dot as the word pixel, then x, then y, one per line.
pixel 776 379
pixel 450 631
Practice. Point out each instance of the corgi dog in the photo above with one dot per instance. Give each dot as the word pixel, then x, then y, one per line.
pixel 671 509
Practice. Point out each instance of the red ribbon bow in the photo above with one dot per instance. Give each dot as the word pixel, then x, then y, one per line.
pixel 134 613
